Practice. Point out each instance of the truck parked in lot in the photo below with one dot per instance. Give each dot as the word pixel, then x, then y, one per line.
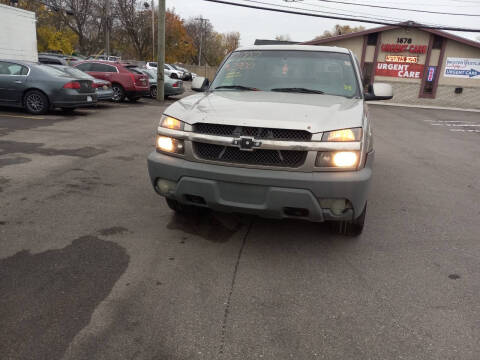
pixel 281 132
pixel 18 34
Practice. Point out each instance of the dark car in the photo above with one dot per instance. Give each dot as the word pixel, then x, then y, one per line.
pixel 38 87
pixel 103 88
pixel 52 60
pixel 125 82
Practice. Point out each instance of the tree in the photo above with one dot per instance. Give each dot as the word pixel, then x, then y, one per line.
pixel 202 33
pixel 231 41
pixel 52 33
pixel 339 30
pixel 179 46
pixel 82 17
pixel 134 26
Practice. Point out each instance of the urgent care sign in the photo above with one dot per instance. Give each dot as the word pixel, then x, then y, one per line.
pixel 399 70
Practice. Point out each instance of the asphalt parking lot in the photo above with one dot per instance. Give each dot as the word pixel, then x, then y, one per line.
pixel 93 265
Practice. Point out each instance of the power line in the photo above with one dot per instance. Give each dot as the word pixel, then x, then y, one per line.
pixel 408 24
pixel 363 14
pixel 396 8
pixel 322 11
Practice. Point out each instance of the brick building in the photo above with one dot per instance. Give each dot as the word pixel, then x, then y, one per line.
pixel 424 66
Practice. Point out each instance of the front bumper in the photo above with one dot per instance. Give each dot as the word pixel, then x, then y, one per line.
pixel 261 192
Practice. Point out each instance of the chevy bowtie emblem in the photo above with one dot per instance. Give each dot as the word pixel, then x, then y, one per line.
pixel 246 143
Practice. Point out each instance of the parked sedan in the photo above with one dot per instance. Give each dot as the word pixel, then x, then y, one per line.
pixel 38 88
pixel 103 88
pixel 171 86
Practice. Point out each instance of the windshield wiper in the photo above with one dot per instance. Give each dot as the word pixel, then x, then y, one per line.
pixel 236 87
pixel 298 90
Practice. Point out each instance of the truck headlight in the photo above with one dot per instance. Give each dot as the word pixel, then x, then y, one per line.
pixel 171 123
pixel 169 144
pixel 354 134
pixel 338 159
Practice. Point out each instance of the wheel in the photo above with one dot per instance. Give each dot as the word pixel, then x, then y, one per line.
pixel 68 110
pixel 174 76
pixel 352 227
pixel 36 102
pixel 153 92
pixel 118 93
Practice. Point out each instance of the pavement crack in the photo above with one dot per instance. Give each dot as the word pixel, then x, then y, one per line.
pixel 230 293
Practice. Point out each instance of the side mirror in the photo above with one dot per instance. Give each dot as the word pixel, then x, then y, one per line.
pixel 379 91
pixel 200 84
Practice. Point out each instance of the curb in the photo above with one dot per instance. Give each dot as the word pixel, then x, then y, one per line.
pixel 423 106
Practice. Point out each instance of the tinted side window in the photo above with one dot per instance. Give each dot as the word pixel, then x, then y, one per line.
pixel 12 69
pixel 103 68
pixel 49 61
pixel 84 66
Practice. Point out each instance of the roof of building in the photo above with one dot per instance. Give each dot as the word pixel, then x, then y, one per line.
pixel 295 47
pixel 390 27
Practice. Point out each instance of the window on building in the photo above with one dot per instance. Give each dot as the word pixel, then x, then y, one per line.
pixel 437 42
pixel 372 39
pixel 367 73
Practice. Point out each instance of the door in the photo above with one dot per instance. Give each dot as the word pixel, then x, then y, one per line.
pixel 12 82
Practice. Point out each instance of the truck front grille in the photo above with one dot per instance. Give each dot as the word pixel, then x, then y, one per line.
pixel 259 157
pixel 256 132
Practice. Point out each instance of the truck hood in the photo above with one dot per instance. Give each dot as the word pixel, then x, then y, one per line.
pixel 312 112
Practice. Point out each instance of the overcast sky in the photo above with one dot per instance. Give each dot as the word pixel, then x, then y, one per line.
pixel 257 24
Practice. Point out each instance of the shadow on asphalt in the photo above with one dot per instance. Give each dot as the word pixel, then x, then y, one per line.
pixel 47 298
pixel 220 227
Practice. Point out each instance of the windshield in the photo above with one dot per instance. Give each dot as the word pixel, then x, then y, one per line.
pixel 289 70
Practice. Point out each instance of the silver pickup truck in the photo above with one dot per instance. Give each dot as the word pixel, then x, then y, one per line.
pixel 281 132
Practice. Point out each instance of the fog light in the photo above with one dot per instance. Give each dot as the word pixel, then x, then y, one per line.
pixel 168 144
pixel 336 206
pixel 345 159
pixel 165 187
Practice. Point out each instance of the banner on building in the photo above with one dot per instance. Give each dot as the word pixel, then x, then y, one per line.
pixel 400 70
pixel 462 68
pixel 402 59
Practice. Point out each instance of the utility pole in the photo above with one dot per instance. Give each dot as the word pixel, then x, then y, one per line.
pixel 161 51
pixel 202 21
pixel 107 27
pixel 153 31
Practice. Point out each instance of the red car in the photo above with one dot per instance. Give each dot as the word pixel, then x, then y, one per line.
pixel 126 81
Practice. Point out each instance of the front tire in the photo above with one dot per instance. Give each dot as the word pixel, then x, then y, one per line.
pixel 36 102
pixel 118 93
pixel 352 227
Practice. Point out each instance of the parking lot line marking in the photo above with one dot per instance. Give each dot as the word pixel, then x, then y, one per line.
pixel 458 125
pixel 465 130
pixel 23 117
pixel 444 121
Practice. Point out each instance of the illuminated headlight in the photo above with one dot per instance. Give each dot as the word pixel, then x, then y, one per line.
pixel 171 123
pixel 169 144
pixel 354 134
pixel 339 159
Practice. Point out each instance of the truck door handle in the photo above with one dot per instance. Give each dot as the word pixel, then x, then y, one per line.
pixel 18 82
